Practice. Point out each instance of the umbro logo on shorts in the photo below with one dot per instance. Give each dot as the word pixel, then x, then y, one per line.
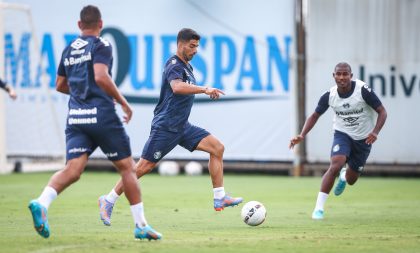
pixel 157 154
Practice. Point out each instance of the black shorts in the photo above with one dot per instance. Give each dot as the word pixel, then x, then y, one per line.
pixel 107 133
pixel 161 142
pixel 356 151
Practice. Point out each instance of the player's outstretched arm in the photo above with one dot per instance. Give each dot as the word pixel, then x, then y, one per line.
pixel 183 88
pixel 380 121
pixel 309 124
pixel 104 80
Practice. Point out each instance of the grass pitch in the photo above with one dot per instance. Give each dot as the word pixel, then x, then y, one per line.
pixel 375 215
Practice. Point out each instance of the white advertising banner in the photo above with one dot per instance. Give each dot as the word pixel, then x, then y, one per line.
pixel 246 50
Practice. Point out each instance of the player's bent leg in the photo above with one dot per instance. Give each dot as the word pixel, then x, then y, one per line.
pixel 132 192
pixel 216 149
pixel 125 168
pixel 40 218
pixel 143 167
pixel 352 176
pixel 131 189
pixel 337 162
pixel 70 174
pixel 106 207
pixel 146 232
pixel 58 182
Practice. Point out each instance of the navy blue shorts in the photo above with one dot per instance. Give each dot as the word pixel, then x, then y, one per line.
pixel 357 152
pixel 161 142
pixel 108 134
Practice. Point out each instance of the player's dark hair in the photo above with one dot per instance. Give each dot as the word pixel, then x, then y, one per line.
pixel 90 16
pixel 343 64
pixel 187 34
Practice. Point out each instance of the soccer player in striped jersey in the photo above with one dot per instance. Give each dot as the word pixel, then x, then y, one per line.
pixel 355 106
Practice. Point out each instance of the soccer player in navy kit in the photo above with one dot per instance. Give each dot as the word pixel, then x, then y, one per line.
pixel 85 74
pixel 9 89
pixel 170 126
pixel 354 104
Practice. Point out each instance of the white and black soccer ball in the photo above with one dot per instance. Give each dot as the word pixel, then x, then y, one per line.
pixel 253 213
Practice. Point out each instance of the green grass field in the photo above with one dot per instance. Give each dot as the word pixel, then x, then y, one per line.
pixel 375 215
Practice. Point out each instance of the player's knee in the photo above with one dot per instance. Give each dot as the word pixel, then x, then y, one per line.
pixel 351 180
pixel 334 170
pixel 219 149
pixel 144 167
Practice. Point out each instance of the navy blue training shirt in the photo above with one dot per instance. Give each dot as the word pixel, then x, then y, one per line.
pixel 77 66
pixel 173 110
pixel 370 98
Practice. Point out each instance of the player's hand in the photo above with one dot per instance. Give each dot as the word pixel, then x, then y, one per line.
pixel 295 141
pixel 128 112
pixel 213 93
pixel 12 94
pixel 372 137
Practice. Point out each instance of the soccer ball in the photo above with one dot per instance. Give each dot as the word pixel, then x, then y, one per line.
pixel 193 169
pixel 253 213
pixel 168 168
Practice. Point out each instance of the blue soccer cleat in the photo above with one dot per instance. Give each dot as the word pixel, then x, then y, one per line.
pixel 105 210
pixel 341 185
pixel 226 201
pixel 146 232
pixel 39 215
pixel 318 215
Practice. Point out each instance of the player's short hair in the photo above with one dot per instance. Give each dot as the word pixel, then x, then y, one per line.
pixel 342 64
pixel 90 16
pixel 187 34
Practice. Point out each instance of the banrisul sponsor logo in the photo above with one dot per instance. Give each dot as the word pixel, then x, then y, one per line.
pixel 248 67
pixel 345 113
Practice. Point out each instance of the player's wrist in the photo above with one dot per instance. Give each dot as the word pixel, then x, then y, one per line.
pixel 7 88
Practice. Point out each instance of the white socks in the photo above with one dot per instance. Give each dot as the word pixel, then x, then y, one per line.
pixel 112 196
pixel 320 201
pixel 343 176
pixel 47 196
pixel 219 192
pixel 137 211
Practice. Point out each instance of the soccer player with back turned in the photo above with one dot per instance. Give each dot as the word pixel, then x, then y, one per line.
pixel 170 125
pixel 355 106
pixel 85 74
